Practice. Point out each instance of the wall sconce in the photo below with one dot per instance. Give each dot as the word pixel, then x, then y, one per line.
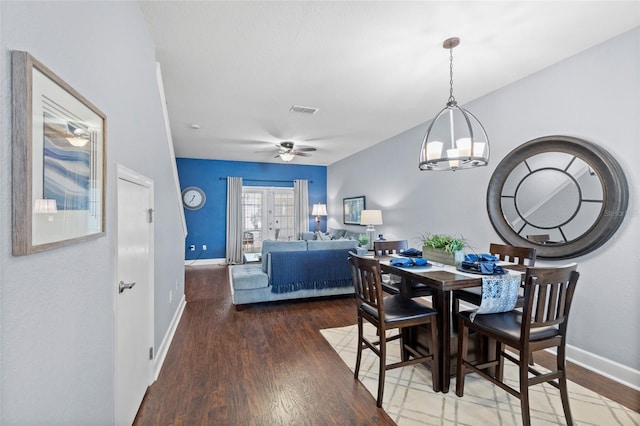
pixel 319 210
pixel 371 218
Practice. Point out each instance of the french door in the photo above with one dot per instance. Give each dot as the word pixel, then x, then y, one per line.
pixel 268 214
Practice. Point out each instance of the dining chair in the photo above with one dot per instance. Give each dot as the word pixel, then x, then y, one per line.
pixel 541 324
pixel 513 254
pixel 390 282
pixel 389 312
pixel 382 248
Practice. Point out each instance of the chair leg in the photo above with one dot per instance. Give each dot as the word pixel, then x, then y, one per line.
pixel 359 355
pixel 382 369
pixel 463 334
pixel 524 393
pixel 564 392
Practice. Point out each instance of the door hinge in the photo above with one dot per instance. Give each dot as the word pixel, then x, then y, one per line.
pixel 150 217
pixel 151 353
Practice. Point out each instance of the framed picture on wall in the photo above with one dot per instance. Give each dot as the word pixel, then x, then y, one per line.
pixel 352 209
pixel 58 161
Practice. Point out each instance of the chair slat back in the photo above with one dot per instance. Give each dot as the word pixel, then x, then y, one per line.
pixel 514 254
pixel 382 248
pixel 548 295
pixel 365 274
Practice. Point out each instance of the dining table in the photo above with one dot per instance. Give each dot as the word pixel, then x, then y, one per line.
pixel 441 280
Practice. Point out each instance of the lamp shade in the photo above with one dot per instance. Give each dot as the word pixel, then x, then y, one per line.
pixel 319 210
pixel 371 217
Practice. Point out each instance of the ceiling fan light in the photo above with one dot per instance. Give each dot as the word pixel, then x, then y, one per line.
pixel 286 156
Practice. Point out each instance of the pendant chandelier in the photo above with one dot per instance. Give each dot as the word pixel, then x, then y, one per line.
pixel 455 139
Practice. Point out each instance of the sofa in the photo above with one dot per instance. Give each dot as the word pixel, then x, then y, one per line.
pixel 293 270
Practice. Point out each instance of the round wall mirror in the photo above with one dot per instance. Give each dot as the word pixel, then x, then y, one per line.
pixel 562 195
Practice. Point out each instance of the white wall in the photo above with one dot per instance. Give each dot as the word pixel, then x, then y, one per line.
pixel 57 307
pixel 594 95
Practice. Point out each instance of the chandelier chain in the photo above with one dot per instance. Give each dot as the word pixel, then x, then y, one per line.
pixel 451 98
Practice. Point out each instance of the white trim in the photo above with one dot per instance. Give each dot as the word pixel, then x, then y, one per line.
pixel 172 154
pixel 605 367
pixel 163 349
pixel 197 262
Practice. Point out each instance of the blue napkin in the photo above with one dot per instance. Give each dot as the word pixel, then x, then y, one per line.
pixel 483 263
pixel 484 257
pixel 411 252
pixel 400 261
pixel 408 261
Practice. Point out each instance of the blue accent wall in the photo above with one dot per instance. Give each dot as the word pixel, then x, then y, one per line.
pixel 207 226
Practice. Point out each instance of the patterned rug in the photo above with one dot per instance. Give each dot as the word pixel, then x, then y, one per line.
pixel 410 400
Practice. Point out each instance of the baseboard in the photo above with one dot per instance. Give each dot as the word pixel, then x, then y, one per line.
pixel 196 262
pixel 162 350
pixel 615 371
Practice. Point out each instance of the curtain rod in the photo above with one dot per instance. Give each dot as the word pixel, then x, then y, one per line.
pixel 264 180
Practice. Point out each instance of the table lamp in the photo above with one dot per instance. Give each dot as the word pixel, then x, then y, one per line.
pixel 319 210
pixel 371 218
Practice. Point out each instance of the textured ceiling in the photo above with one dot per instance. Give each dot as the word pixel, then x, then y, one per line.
pixel 373 69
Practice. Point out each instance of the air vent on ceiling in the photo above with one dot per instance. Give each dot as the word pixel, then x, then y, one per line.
pixel 303 109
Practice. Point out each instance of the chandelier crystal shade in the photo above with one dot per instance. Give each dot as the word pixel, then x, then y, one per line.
pixel 456 139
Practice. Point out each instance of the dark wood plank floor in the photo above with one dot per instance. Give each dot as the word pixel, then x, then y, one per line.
pixel 269 364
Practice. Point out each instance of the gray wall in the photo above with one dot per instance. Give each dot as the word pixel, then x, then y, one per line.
pixel 594 95
pixel 57 307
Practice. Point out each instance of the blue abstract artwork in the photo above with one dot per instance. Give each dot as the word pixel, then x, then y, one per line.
pixel 66 167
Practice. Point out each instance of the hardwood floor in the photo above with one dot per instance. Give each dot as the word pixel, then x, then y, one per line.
pixel 269 364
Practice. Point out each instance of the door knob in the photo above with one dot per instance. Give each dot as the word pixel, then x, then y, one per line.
pixel 125 286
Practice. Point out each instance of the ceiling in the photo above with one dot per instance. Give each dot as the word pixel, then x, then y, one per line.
pixel 373 69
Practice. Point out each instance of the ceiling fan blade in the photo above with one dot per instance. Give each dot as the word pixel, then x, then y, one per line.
pixel 302 154
pixel 306 149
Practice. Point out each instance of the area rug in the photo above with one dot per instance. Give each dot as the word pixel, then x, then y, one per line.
pixel 410 400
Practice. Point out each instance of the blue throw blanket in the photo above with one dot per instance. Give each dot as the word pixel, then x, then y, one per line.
pixel 309 270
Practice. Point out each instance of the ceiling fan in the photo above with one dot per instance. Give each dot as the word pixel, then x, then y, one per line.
pixel 286 151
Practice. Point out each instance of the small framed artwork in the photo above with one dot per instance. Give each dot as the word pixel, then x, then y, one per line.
pixel 58 161
pixel 352 210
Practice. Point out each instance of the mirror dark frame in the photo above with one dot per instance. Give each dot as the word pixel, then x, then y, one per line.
pixel 614 186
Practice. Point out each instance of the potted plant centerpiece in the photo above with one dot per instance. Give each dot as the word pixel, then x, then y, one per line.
pixel 362 244
pixel 442 248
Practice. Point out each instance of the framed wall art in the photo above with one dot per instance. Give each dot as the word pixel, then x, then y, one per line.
pixel 58 171
pixel 352 210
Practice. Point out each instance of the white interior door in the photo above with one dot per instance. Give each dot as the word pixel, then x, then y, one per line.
pixel 133 295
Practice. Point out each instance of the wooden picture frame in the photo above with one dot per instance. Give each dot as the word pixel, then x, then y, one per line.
pixel 352 209
pixel 59 159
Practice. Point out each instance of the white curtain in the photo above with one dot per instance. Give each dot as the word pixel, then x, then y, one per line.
pixel 300 207
pixel 234 220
